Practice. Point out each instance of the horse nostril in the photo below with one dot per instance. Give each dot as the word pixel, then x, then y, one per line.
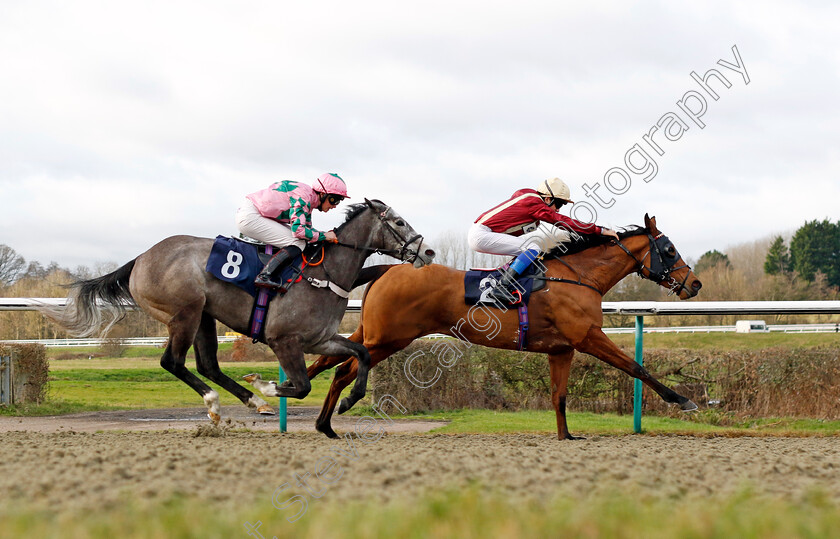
pixel 430 253
pixel 696 285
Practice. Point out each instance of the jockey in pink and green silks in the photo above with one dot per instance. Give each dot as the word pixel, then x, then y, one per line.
pixel 281 215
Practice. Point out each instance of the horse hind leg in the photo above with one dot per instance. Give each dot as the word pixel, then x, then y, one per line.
pixel 182 330
pixel 206 346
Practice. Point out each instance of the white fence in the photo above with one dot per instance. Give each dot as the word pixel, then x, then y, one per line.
pixel 637 308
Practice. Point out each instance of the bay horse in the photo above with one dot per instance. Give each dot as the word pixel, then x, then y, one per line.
pixel 565 316
pixel 169 282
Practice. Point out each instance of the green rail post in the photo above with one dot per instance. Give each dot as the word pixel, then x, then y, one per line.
pixel 637 384
pixel 281 407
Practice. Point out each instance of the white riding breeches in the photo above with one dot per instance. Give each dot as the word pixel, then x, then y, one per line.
pixel 252 224
pixel 545 238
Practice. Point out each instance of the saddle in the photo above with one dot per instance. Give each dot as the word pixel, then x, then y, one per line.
pixel 478 283
pixel 238 262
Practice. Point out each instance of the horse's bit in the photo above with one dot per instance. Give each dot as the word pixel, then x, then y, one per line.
pixel 661 267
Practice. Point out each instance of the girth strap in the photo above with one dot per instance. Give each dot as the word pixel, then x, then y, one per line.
pixel 318 283
pixel 523 327
pixel 260 306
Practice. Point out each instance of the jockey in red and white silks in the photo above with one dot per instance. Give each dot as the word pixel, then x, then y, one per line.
pixel 513 227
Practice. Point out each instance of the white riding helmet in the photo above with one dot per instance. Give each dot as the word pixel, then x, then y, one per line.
pixel 555 188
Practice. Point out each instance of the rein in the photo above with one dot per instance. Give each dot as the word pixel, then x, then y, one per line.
pixel 579 282
pixel 401 253
pixel 657 275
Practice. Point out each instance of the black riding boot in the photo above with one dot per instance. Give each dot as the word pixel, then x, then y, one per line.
pixel 264 279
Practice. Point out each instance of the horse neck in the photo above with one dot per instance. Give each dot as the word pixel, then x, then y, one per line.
pixel 604 266
pixel 344 263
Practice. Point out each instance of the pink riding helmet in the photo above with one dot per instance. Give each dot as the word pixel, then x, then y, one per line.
pixel 330 184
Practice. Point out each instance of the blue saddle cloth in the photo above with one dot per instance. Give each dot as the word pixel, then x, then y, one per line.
pixel 238 262
pixel 479 283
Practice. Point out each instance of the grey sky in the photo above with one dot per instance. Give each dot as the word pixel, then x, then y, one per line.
pixel 123 123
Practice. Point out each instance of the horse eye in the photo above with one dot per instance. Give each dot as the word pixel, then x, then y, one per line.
pixel 671 251
pixel 399 222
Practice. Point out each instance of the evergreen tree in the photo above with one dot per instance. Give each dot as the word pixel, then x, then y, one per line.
pixel 711 259
pixel 778 259
pixel 816 247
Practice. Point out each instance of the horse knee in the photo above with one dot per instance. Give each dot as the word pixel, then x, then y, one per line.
pixel 207 371
pixel 303 389
pixel 167 363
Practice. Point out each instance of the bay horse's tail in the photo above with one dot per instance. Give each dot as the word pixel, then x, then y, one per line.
pixel 83 314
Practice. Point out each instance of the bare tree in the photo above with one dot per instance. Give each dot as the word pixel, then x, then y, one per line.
pixel 11 265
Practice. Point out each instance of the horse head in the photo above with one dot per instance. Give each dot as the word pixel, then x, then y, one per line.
pixel 663 264
pixel 386 233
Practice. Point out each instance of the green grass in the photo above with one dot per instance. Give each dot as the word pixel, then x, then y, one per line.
pixel 729 341
pixel 474 512
pixel 705 423
pixel 80 385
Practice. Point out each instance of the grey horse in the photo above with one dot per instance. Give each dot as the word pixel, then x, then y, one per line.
pixel 169 282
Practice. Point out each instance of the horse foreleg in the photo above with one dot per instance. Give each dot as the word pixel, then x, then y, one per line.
pixel 560 365
pixel 344 375
pixel 289 353
pixel 323 363
pixel 327 362
pixel 597 344
pixel 338 345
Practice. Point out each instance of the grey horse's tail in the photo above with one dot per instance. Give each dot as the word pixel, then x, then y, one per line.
pixel 83 314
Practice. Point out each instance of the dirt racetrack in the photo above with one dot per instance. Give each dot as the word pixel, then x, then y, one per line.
pixel 299 419
pixel 87 470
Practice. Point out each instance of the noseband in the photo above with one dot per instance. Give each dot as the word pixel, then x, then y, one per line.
pixel 662 265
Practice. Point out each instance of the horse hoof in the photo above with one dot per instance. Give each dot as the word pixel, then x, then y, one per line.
pixel 343 406
pixel 688 406
pixel 251 377
pixel 265 409
pixel 214 417
pixel 327 430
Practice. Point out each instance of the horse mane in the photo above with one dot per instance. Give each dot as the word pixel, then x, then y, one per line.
pixel 353 211
pixel 581 242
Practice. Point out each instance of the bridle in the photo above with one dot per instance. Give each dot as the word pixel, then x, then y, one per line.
pixel 662 265
pixel 403 253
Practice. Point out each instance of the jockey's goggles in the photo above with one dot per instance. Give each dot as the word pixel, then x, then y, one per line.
pixel 335 200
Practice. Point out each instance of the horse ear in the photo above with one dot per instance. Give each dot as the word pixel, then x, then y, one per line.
pixel 370 204
pixel 650 224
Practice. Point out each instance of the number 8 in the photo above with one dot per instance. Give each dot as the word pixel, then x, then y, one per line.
pixel 231 269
